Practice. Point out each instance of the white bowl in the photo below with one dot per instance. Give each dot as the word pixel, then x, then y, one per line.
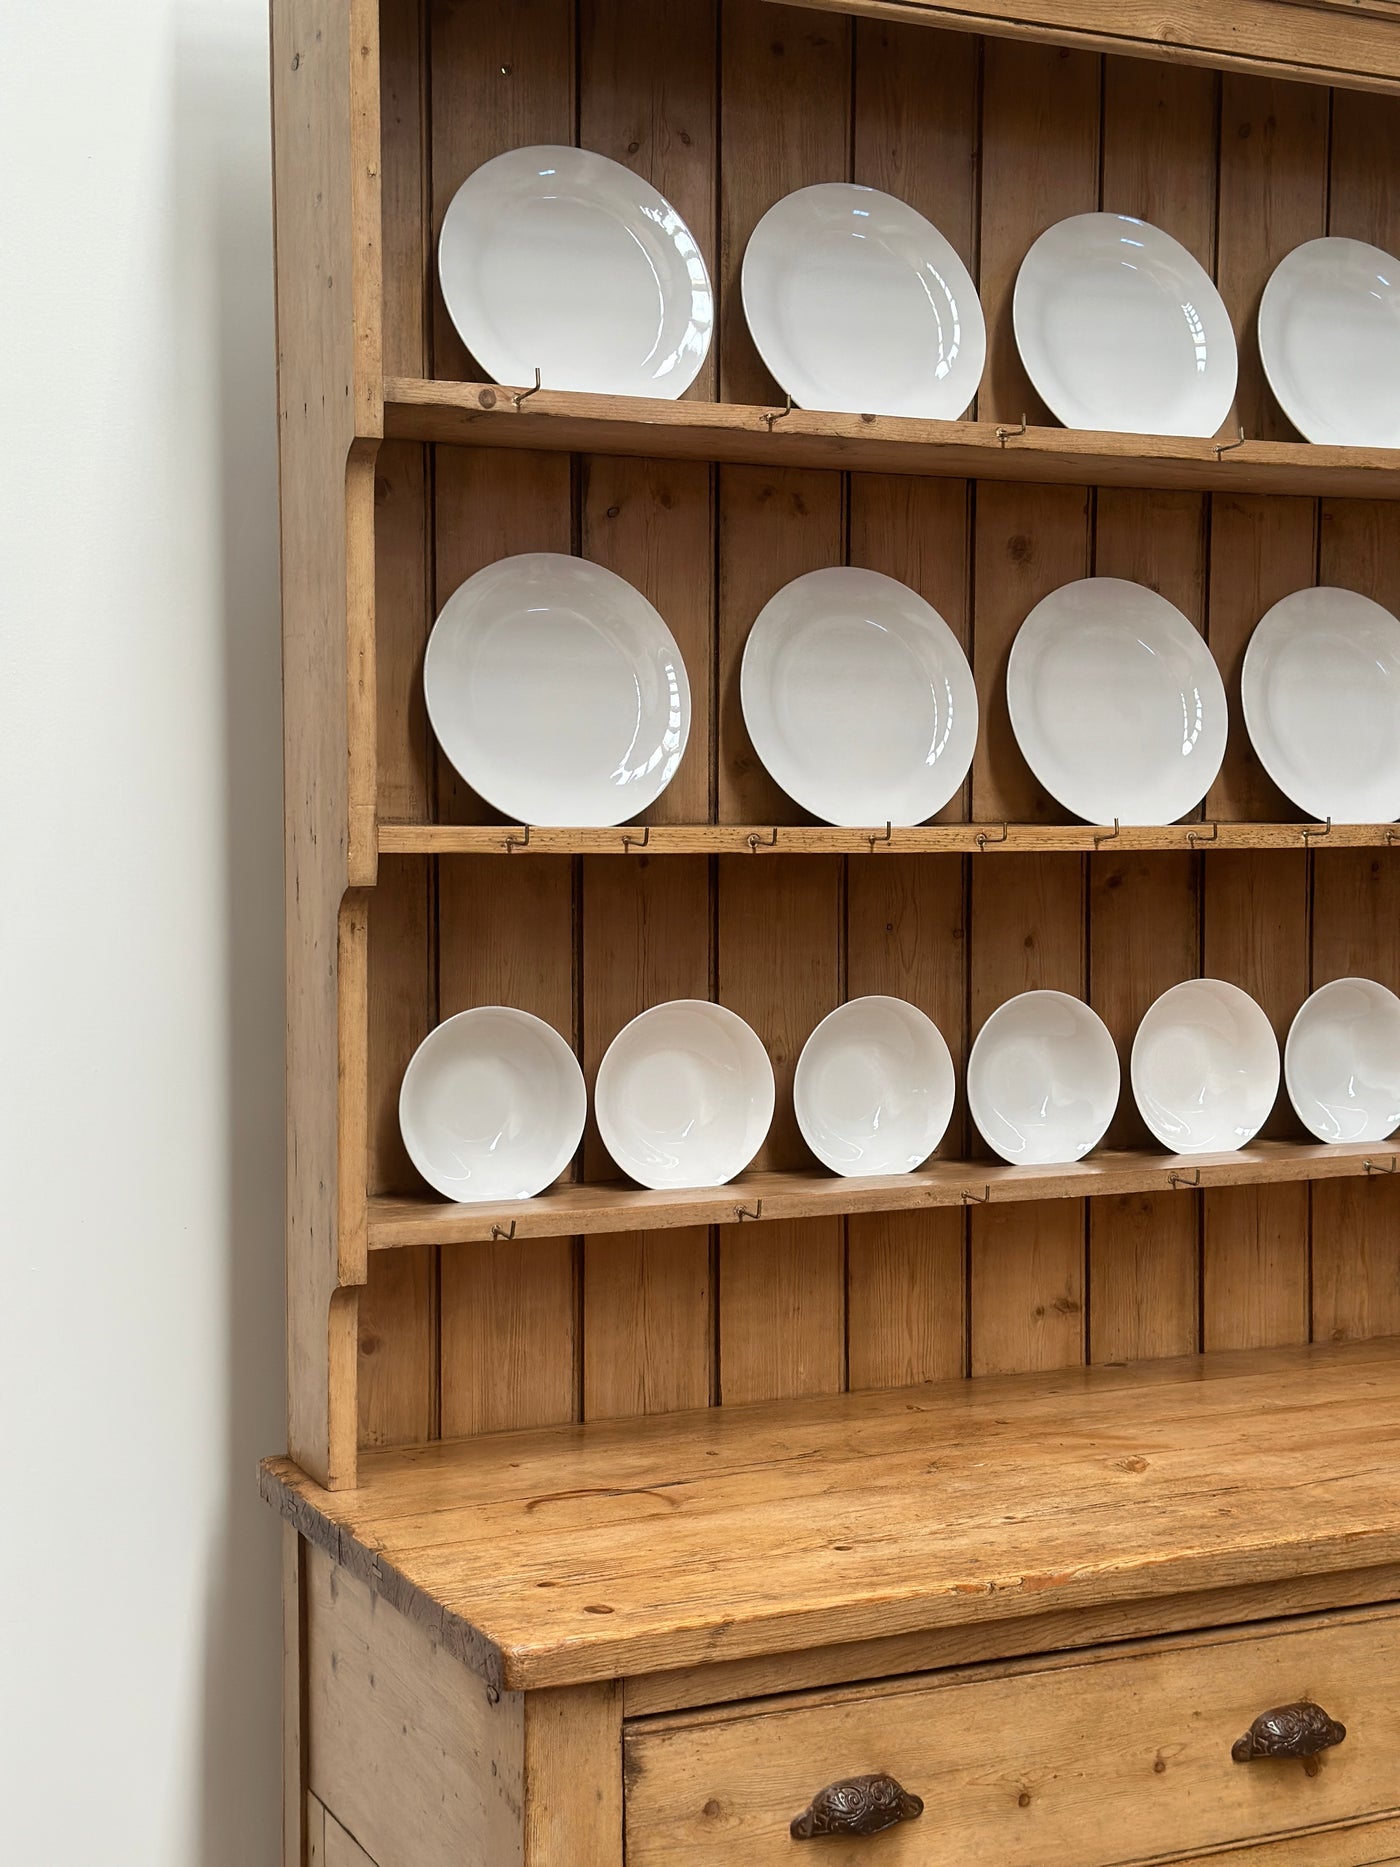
pixel 560 260
pixel 1342 1062
pixel 1116 702
pixel 684 1095
pixel 1205 1067
pixel 492 1105
pixel 1320 686
pixel 1121 329
pixel 858 698
pixel 857 303
pixel 556 691
pixel 874 1087
pixel 1329 337
pixel 1043 1079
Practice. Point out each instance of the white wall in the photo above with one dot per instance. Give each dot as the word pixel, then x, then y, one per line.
pixel 140 937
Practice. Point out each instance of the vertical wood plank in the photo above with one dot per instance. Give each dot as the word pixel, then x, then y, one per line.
pixel 294 1792
pixel 1040 163
pixel 1159 162
pixel 906 1270
pixel 1273 183
pixel 1356 892
pixel 573 1777
pixel 1027 1285
pixel 648 1311
pixel 502 77
pixel 404 204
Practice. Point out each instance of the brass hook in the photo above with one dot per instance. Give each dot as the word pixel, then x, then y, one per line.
pixel 888 837
pixel 498 1232
pixel 1195 837
pixel 518 842
pixel 742 1212
pixel 1313 835
pixel 1372 1166
pixel 523 395
pixel 1185 1179
pixel 1392 837
pixel 1108 835
pixel 977 1199
pixel 1012 434
pixel 756 842
pixel 637 842
pixel 782 414
pixel 982 838
pixel 1228 447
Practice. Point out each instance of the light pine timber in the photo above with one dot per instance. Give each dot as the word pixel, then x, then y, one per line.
pixel 1075 1761
pixel 729 1533
pixel 738 432
pixel 572 1210
pixel 325 142
pixel 1307 41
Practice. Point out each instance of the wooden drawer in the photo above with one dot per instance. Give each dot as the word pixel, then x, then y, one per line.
pixel 1112 1755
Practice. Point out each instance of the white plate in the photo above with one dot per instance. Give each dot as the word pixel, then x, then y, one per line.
pixel 1342 1062
pixel 858 699
pixel 1321 692
pixel 556 691
pixel 561 260
pixel 1043 1079
pixel 874 1087
pixel 1116 703
pixel 492 1105
pixel 857 303
pixel 1329 337
pixel 1121 330
pixel 1205 1067
pixel 684 1095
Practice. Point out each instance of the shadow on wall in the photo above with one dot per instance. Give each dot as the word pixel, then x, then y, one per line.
pixel 223 237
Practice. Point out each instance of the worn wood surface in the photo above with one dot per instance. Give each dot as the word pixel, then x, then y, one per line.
pixel 737 1531
pixel 416 1755
pixel 1328 41
pixel 572 1808
pixel 578 1210
pixel 1088 1759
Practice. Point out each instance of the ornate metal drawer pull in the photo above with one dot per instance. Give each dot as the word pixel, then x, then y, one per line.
pixel 858 1805
pixel 1300 1730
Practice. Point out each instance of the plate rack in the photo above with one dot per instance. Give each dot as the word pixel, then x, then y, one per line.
pixel 409 899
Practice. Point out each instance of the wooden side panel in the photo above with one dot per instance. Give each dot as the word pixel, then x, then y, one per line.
pixel 414 1753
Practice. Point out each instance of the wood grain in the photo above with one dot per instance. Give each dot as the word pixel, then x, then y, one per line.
pixel 1039 1763
pixel 738 1531
pixel 573 1777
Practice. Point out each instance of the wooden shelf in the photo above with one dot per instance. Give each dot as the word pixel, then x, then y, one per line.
pixel 484 415
pixel 624 1547
pixel 578 1210
pixel 716 839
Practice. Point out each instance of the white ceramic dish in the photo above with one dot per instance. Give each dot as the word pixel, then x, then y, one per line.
pixel 1043 1079
pixel 492 1105
pixel 1116 703
pixel 1205 1067
pixel 1329 337
pixel 874 1087
pixel 1342 1062
pixel 859 304
pixel 684 1095
pixel 561 260
pixel 858 698
pixel 556 691
pixel 1321 692
pixel 1122 331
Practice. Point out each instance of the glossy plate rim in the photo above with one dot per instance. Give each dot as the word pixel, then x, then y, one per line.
pixel 564 1057
pixel 1091 1019
pixel 1289 1076
pixel 1269 328
pixel 1183 987
pixel 748 1040
pixel 771 751
pixel 841 1014
pixel 586 570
